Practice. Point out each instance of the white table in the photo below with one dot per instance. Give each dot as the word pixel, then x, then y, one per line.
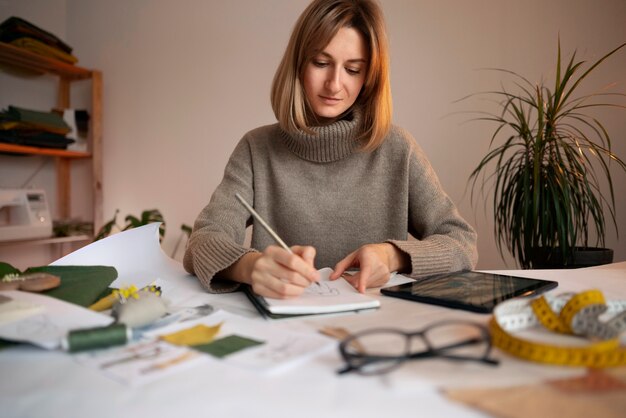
pixel 39 383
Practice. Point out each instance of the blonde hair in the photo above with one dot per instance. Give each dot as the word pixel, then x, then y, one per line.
pixel 315 28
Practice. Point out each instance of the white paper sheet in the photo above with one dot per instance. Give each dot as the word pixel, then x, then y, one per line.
pixel 139 260
pixel 47 328
pixel 12 310
pixel 281 348
pixel 142 362
pixel 325 297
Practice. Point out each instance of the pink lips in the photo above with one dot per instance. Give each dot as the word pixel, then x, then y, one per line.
pixel 329 100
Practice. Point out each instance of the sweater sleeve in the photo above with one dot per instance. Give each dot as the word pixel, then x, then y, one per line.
pixel 216 241
pixel 444 241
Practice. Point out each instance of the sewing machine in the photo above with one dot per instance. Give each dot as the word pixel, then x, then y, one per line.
pixel 24 214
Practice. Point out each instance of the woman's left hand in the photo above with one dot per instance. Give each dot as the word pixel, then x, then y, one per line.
pixel 375 263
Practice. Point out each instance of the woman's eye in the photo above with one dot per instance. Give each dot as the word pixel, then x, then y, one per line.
pixel 320 64
pixel 353 71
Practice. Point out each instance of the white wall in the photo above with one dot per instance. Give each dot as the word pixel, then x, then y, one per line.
pixel 185 80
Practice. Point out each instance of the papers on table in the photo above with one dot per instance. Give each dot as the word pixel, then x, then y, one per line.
pixel 243 343
pixel 50 321
pixel 274 348
pixel 251 344
pixel 279 348
pixel 12 310
pixel 142 362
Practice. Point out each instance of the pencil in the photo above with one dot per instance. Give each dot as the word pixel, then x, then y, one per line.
pixel 264 224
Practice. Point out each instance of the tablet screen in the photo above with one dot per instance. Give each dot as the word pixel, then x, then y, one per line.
pixel 469 290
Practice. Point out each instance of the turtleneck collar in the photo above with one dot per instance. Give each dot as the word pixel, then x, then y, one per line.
pixel 330 143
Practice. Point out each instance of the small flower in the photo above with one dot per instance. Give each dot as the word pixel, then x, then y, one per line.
pixel 11 277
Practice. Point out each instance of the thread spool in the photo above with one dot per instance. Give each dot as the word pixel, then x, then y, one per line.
pixel 94 338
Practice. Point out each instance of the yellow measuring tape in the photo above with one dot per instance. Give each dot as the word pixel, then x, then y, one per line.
pixel 569 314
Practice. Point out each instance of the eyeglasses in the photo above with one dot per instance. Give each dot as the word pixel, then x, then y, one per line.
pixel 381 350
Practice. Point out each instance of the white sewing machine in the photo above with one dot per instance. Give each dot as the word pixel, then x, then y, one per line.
pixel 24 214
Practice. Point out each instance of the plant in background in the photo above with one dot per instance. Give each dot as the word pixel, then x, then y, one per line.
pixel 147 217
pixel 549 160
pixel 71 227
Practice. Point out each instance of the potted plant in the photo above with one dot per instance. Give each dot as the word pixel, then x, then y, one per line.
pixel 549 164
pixel 147 217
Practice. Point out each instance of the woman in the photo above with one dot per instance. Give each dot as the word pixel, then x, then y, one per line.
pixel 333 177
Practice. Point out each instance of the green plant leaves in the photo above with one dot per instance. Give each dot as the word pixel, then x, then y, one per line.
pixel 549 163
pixel 107 228
pixel 146 217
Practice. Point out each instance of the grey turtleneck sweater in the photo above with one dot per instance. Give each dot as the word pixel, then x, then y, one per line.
pixel 321 190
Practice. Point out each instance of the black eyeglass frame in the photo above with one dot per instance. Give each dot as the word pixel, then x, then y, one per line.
pixel 356 362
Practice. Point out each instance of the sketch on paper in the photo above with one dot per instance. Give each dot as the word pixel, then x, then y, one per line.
pixel 141 362
pixel 324 289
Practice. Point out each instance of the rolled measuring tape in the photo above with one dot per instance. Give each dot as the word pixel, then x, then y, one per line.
pixel 596 323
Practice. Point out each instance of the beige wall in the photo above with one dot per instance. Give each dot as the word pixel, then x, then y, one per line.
pixel 184 80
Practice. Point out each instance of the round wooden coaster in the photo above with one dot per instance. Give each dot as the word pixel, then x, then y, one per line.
pixel 32 282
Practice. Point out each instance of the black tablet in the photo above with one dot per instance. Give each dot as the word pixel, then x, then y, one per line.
pixel 468 290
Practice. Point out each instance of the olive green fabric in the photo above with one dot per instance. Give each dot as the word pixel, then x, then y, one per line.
pixel 227 345
pixel 7 269
pixel 81 285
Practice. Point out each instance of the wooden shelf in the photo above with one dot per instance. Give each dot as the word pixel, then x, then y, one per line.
pixel 26 60
pixel 12 57
pixel 52 152
pixel 51 240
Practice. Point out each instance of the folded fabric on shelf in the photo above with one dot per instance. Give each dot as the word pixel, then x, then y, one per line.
pixel 16 118
pixel 35 139
pixel 41 48
pixel 14 28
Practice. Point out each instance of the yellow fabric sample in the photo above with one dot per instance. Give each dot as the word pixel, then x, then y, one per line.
pixel 40 48
pixel 200 334
pixel 104 303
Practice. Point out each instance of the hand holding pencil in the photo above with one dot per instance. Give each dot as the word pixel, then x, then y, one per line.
pixel 278 272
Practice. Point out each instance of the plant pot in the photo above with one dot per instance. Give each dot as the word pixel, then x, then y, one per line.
pixel 551 258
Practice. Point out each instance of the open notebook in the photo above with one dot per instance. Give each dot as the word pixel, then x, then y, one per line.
pixel 329 297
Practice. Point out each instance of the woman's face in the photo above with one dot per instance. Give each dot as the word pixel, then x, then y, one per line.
pixel 333 78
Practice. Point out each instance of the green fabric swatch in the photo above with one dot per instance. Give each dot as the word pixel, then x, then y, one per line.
pixel 227 345
pixel 6 268
pixel 81 285
pixel 50 119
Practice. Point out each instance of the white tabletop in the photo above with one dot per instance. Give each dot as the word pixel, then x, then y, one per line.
pixel 39 383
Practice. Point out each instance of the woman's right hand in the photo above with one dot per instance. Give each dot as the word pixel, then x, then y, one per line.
pixel 276 273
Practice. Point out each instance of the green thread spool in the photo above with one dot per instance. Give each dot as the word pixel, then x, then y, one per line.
pixel 93 338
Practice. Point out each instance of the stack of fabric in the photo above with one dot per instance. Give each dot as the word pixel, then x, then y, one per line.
pixel 23 34
pixel 33 128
